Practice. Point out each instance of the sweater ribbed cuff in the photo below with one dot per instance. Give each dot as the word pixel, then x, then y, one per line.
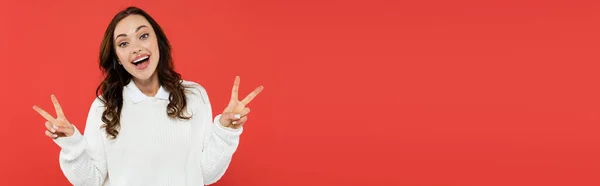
pixel 71 146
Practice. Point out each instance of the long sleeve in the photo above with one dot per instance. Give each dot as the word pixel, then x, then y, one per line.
pixel 82 158
pixel 219 145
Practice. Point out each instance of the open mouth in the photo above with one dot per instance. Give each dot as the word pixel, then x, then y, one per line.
pixel 141 61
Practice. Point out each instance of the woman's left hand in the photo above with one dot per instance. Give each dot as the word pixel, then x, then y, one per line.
pixel 236 112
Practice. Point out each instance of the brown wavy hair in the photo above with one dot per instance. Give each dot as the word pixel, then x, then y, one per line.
pixel 110 91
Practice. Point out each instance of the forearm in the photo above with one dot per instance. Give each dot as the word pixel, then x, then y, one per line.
pixel 219 146
pixel 78 163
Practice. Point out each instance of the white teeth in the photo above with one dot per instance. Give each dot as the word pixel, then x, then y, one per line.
pixel 140 59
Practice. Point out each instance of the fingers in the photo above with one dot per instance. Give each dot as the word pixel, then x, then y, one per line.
pixel 240 121
pixel 44 113
pixel 236 117
pixel 53 125
pixel 245 112
pixel 241 117
pixel 230 116
pixel 252 95
pixel 235 121
pixel 49 134
pixel 50 127
pixel 234 90
pixel 51 130
pixel 59 111
pixel 227 118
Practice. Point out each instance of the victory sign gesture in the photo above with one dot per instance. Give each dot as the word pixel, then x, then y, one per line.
pixel 56 127
pixel 235 114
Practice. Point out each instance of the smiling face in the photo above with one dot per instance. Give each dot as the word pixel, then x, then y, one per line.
pixel 136 47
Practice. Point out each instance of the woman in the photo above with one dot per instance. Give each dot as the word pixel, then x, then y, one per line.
pixel 147 126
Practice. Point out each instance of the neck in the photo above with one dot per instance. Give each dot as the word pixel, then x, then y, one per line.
pixel 148 86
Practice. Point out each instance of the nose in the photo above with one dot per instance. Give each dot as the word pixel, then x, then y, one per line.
pixel 137 47
pixel 137 50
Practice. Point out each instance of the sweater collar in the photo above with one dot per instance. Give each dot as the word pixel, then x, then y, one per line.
pixel 137 95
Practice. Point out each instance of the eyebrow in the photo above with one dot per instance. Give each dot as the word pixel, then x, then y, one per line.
pixel 137 29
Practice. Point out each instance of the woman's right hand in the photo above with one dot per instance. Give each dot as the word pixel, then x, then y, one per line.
pixel 59 126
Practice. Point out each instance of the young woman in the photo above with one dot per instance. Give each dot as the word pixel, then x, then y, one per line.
pixel 147 126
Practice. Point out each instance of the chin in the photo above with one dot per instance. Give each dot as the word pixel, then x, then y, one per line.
pixel 144 77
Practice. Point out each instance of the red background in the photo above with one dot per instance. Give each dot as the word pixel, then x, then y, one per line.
pixel 371 92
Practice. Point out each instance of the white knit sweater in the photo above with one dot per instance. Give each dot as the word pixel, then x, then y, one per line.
pixel 151 148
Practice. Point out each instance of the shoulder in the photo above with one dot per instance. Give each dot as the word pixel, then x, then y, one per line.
pixel 191 84
pixel 97 106
pixel 194 90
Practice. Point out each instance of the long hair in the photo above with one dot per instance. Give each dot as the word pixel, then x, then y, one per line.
pixel 110 91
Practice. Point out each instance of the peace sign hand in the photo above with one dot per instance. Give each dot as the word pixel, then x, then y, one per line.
pixel 59 126
pixel 235 114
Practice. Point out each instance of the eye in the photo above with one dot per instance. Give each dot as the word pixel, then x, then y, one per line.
pixel 123 44
pixel 144 36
